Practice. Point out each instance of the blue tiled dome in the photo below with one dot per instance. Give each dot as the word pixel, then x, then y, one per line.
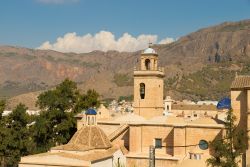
pixel 91 112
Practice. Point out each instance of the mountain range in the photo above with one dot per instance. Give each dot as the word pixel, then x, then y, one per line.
pixel 198 66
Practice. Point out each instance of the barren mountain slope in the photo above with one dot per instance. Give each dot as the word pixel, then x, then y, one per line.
pixel 225 47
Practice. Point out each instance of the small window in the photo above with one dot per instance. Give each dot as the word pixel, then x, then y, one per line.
pixel 147 64
pixel 142 90
pixel 197 156
pixel 158 143
pixel 203 145
pixel 168 107
pixel 195 115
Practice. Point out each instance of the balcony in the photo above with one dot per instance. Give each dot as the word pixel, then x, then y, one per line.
pixel 159 72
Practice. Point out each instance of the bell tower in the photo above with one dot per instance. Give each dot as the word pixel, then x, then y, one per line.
pixel 148 85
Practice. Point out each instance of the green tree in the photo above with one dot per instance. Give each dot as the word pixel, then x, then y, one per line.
pixel 63 97
pixel 3 132
pixel 228 150
pixel 15 136
pixel 56 123
pixel 88 100
pixel 2 107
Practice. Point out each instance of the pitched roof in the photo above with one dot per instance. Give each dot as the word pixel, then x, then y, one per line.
pixel 193 107
pixel 53 159
pixel 72 159
pixel 87 138
pixel 241 82
pixel 130 118
pixel 188 121
pixel 206 120
pixel 118 131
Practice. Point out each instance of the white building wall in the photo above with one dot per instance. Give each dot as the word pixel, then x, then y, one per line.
pixel 103 163
pixel 119 155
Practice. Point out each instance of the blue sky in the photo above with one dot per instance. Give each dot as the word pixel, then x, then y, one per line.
pixel 29 23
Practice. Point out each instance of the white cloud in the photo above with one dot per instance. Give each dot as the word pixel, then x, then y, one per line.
pixel 57 1
pixel 167 40
pixel 103 40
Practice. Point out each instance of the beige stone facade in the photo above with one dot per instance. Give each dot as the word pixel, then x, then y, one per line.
pixel 192 111
pixel 240 99
pixel 102 113
pixel 178 136
pixel 148 86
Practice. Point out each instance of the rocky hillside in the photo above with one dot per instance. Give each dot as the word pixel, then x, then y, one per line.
pixel 200 65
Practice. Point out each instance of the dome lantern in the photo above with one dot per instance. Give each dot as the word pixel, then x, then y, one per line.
pixel 90 117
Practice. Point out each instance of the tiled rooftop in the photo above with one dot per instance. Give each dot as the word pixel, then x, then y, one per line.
pixel 240 82
pixel 87 138
pixel 193 107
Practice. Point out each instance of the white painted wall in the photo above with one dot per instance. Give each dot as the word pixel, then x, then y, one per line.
pixel 121 156
pixel 103 163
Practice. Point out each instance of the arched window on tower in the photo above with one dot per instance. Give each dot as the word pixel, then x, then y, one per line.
pixel 154 65
pixel 142 90
pixel 147 64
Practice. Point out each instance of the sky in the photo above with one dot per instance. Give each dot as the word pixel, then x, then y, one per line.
pixel 123 25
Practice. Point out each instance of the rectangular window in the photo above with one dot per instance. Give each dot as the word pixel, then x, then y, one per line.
pixel 158 143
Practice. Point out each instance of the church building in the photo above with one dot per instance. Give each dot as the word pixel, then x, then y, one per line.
pixel 176 139
pixel 126 140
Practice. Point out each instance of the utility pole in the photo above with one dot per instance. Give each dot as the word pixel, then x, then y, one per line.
pixel 151 156
pixel 244 159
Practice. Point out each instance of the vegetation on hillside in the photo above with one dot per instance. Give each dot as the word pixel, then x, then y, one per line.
pixel 12 88
pixel 212 46
pixel 126 98
pixel 121 79
pixel 210 83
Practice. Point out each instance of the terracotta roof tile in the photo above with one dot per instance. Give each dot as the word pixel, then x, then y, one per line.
pixel 93 156
pixel 193 107
pixel 87 138
pixel 118 131
pixel 240 82
pixel 90 156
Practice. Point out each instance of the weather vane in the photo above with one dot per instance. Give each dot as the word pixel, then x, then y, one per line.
pixel 150 44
